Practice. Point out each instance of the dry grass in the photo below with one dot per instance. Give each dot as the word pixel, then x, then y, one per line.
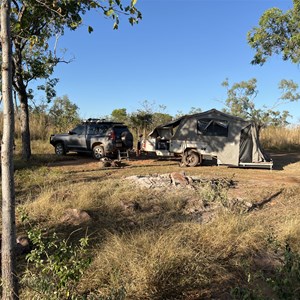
pixel 144 242
pixel 154 253
pixel 281 138
pixel 185 259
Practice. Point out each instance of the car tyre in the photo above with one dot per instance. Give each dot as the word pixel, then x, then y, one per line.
pixel 60 149
pixel 98 152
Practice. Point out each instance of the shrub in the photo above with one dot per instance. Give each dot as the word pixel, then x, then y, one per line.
pixel 54 266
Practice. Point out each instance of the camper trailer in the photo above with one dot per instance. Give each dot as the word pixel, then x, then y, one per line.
pixel 231 140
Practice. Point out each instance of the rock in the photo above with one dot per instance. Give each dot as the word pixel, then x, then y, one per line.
pixel 75 216
pixel 105 162
pixel 23 246
pixel 179 179
pixel 117 164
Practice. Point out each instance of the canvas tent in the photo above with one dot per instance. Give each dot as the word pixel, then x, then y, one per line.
pixel 231 140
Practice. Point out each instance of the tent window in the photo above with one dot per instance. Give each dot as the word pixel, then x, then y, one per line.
pixel 211 127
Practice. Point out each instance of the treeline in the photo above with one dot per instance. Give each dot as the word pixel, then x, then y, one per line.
pixel 61 115
pixel 46 119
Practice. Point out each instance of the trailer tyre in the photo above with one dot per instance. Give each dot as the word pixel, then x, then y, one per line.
pixel 191 158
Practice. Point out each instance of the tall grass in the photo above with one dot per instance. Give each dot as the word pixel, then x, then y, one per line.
pixel 187 259
pixel 41 126
pixel 153 250
pixel 281 138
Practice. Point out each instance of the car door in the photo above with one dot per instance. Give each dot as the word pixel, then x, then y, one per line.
pixel 77 138
pixel 96 133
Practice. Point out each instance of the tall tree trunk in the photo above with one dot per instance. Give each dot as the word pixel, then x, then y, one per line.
pixel 20 87
pixel 9 279
pixel 25 131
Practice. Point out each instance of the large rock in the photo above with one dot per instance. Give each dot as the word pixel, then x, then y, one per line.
pixel 75 216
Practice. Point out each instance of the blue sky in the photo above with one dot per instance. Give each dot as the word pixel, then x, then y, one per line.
pixel 177 56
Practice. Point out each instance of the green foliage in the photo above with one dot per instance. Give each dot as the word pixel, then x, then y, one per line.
pixel 119 115
pixel 286 281
pixel 215 191
pixel 141 121
pixel 148 117
pixel 277 33
pixel 64 113
pixel 195 110
pixel 49 88
pixel 289 91
pixel 54 266
pixel 240 293
pixel 160 118
pixel 241 96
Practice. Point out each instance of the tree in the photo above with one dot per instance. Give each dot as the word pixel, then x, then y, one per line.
pixel 148 117
pixel 160 118
pixel 277 33
pixel 195 110
pixel 34 24
pixel 64 113
pixel 119 115
pixel 141 121
pixel 9 284
pixel 240 102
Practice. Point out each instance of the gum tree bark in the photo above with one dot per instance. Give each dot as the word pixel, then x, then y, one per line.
pixel 9 282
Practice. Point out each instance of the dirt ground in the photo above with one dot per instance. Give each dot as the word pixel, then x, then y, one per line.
pixel 251 183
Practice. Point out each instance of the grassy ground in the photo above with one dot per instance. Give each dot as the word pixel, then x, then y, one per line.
pixel 156 244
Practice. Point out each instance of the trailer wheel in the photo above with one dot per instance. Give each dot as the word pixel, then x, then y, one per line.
pixel 191 158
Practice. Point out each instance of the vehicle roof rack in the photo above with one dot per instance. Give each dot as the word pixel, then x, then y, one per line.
pixel 94 120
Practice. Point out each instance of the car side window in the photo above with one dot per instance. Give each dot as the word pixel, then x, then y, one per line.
pixel 103 129
pixel 92 130
pixel 79 129
pixel 98 129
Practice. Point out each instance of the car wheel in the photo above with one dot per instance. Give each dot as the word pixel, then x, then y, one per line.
pixel 98 152
pixel 191 159
pixel 60 149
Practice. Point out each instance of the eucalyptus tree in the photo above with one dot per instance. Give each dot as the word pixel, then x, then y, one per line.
pixel 141 121
pixel 148 117
pixel 277 33
pixel 64 114
pixel 120 115
pixel 241 102
pixel 35 24
pixel 9 286
pixel 160 118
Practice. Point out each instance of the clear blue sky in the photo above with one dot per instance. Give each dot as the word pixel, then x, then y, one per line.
pixel 177 56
